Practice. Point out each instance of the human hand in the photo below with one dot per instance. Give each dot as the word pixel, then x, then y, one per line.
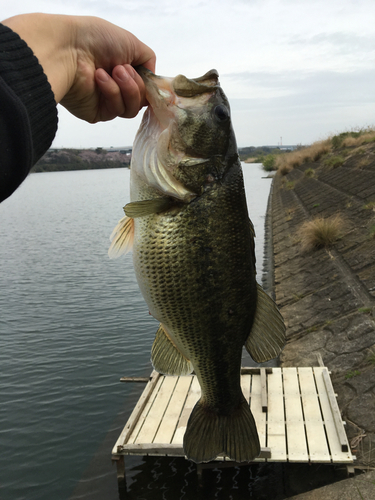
pixel 88 62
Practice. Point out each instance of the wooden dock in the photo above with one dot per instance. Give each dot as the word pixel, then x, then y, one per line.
pixel 295 409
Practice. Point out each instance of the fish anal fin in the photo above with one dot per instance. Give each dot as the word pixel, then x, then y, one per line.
pixel 122 238
pixel 209 434
pixel 267 336
pixel 165 356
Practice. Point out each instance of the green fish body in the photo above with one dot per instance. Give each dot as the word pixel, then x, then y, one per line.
pixel 193 254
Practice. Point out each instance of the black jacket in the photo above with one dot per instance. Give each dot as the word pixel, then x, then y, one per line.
pixel 28 113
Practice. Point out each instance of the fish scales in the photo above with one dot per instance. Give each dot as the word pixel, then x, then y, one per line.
pixel 193 254
pixel 201 290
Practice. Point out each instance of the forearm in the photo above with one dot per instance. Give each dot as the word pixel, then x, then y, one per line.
pixel 28 115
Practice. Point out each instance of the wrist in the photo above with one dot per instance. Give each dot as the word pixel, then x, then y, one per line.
pixel 51 38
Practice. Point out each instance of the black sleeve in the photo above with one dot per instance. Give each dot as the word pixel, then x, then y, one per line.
pixel 28 113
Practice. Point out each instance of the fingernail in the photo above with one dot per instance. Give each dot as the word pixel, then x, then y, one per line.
pixel 102 75
pixel 122 74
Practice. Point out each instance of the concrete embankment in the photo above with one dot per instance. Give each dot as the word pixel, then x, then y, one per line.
pixel 327 295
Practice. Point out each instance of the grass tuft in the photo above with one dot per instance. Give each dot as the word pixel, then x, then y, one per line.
pixel 334 161
pixel 353 373
pixel 321 232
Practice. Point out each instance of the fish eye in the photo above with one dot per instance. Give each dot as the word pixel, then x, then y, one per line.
pixel 221 112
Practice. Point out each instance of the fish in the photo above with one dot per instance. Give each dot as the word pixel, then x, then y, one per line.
pixel 188 226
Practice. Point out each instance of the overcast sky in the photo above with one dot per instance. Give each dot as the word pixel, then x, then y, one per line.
pixel 296 69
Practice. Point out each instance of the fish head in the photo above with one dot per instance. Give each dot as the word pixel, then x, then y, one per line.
pixel 188 122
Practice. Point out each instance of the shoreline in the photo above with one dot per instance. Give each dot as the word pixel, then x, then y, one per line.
pixel 327 295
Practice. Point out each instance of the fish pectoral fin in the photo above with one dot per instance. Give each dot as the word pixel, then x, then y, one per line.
pixel 192 162
pixel 148 207
pixel 267 336
pixel 165 356
pixel 122 238
pixel 208 434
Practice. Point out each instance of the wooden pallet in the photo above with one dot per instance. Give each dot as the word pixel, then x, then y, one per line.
pixel 295 409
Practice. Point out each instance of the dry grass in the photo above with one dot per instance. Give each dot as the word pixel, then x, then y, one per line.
pixel 321 232
pixel 286 162
pixel 358 141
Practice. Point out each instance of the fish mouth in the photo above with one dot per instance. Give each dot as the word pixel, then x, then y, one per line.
pixel 164 93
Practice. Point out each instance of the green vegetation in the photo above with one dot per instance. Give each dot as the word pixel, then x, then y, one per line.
pixel 372 232
pixel 365 310
pixel 334 161
pixel 369 206
pixel 353 373
pixel 269 163
pixel 310 172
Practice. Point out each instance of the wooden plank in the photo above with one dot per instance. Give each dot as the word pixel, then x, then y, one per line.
pixel 193 396
pixel 256 409
pixel 316 436
pixel 174 450
pixel 245 386
pixel 338 456
pixel 295 428
pixel 139 407
pixel 135 379
pixel 255 370
pixel 142 417
pixel 276 433
pixel 154 416
pixel 335 412
pixel 263 384
pixel 173 411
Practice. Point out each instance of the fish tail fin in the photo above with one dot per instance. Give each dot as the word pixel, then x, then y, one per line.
pixel 209 434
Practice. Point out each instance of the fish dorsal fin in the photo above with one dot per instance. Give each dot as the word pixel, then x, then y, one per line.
pixel 165 356
pixel 122 238
pixel 147 207
pixel 267 336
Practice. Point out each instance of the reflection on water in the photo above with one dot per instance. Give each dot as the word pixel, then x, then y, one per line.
pixel 72 323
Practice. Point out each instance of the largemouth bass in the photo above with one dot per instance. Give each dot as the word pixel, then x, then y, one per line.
pixel 193 253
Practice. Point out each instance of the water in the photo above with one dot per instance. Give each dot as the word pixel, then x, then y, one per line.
pixel 72 323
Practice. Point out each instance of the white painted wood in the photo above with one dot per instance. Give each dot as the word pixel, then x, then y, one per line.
pixel 173 411
pixel 139 408
pixel 316 437
pixel 256 409
pixel 153 418
pixel 299 416
pixel 276 434
pixel 193 396
pixel 295 429
pixel 338 456
pixel 245 386
pixel 335 412
pixel 263 384
pixel 143 415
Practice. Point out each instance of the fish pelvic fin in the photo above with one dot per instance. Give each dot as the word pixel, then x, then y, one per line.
pixel 267 336
pixel 165 356
pixel 209 434
pixel 122 238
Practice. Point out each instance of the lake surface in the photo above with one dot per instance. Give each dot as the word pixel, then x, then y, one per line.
pixel 72 323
